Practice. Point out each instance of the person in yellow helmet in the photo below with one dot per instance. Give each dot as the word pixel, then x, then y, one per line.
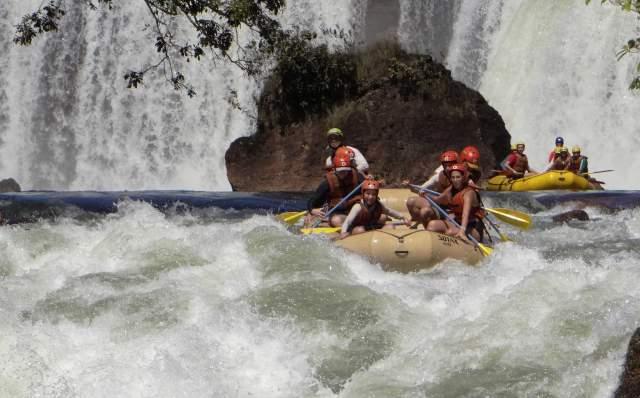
pixel 578 163
pixel 561 161
pixel 336 146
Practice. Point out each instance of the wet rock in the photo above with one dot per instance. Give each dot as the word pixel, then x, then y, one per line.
pixel 405 110
pixel 630 379
pixel 9 185
pixel 571 215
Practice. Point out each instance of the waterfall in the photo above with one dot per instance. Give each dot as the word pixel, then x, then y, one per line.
pixel 549 68
pixel 67 120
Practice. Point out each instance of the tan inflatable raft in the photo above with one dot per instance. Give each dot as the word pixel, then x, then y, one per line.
pixel 406 250
pixel 396 198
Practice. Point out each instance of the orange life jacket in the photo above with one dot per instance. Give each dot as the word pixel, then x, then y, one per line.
pixel 368 215
pixel 456 205
pixel 337 190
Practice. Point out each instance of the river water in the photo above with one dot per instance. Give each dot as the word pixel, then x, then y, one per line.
pixel 227 303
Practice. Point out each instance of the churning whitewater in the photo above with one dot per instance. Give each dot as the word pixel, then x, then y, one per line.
pixel 225 304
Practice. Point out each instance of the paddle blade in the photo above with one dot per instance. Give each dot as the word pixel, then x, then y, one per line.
pixel 485 250
pixel 513 217
pixel 321 230
pixel 291 217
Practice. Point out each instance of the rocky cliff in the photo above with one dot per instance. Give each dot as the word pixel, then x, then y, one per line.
pixel 400 110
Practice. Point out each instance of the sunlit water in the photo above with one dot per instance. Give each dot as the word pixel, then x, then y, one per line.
pixel 225 303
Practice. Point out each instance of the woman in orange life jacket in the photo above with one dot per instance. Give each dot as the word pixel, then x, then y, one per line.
pixel 470 157
pixel 338 183
pixel 561 161
pixel 464 202
pixel 419 207
pixel 369 213
pixel 336 146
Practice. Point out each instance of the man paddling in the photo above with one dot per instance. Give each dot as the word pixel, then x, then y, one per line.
pixel 335 138
pixel 517 163
pixel 337 184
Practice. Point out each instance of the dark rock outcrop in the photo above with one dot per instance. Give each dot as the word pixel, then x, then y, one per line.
pixel 576 214
pixel 9 185
pixel 406 110
pixel 630 380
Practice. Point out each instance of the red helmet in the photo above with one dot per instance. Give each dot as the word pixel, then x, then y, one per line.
pixel 449 156
pixel 470 154
pixel 341 162
pixel 370 183
pixel 461 167
pixel 344 151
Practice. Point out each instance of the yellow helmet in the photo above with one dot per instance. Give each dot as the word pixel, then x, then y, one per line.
pixel 564 149
pixel 513 147
pixel 575 149
pixel 557 150
pixel 335 131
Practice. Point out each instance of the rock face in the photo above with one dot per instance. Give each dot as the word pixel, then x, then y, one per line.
pixel 630 380
pixel 9 185
pixel 406 110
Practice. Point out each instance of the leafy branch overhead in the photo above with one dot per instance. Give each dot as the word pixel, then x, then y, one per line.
pixel 217 24
pixel 633 44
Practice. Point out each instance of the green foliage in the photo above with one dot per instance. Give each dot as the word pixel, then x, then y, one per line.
pixel 633 45
pixel 310 78
pixel 216 23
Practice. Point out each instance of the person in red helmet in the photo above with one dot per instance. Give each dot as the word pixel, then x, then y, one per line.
pixel 464 202
pixel 517 163
pixel 470 156
pixel 369 213
pixel 419 207
pixel 335 141
pixel 338 183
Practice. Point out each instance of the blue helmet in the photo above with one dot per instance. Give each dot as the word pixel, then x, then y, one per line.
pixel 559 141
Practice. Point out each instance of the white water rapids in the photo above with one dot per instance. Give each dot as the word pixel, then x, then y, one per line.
pixel 216 303
pixel 140 304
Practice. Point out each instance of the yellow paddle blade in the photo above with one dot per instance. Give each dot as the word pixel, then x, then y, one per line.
pixel 485 250
pixel 513 217
pixel 320 230
pixel 291 217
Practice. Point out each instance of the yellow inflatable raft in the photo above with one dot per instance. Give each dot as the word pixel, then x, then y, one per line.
pixel 540 182
pixel 406 250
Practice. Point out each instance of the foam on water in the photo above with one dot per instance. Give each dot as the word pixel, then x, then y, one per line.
pixel 140 303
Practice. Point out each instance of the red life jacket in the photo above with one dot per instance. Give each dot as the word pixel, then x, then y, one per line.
pixel 456 205
pixel 368 215
pixel 521 164
pixel 337 191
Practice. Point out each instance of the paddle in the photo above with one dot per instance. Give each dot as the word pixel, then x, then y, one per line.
pixel 513 217
pixel 503 237
pixel 321 230
pixel 596 172
pixel 485 250
pixel 291 217
pixel 316 223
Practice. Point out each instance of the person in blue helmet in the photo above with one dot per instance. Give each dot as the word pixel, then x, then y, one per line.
pixel 553 153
